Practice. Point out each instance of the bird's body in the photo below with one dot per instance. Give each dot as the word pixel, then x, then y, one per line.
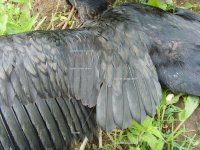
pixel 48 79
pixel 173 44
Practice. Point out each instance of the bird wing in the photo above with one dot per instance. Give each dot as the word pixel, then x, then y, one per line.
pixel 45 124
pixel 36 110
pixel 39 65
pixel 106 65
pixel 130 89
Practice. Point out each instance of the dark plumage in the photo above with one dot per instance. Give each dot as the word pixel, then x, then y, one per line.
pixel 48 79
pixel 89 9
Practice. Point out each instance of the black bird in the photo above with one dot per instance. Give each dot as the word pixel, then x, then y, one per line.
pixel 163 57
pixel 53 83
pixel 89 9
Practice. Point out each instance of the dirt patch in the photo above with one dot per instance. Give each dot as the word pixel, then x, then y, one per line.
pixel 192 124
pixel 47 8
pixel 181 2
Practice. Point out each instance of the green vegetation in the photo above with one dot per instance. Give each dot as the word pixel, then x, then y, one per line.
pixel 15 16
pixel 156 3
pixel 165 131
pixel 162 5
pixel 18 16
pixel 194 7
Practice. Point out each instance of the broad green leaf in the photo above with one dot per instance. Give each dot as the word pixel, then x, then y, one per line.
pixel 12 28
pixel 3 22
pixel 171 109
pixel 157 3
pixel 187 5
pixel 156 132
pixel 147 122
pixel 132 138
pixel 191 103
pixel 153 142
pixel 137 126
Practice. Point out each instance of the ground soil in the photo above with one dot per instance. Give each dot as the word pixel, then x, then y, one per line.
pixel 185 1
pixel 46 8
pixel 192 124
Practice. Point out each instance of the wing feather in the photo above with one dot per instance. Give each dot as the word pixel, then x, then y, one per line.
pixel 127 71
pixel 5 140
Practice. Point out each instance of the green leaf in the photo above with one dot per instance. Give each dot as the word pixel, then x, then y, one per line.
pixel 191 103
pixel 18 1
pixel 153 142
pixel 187 5
pixel 147 122
pixel 132 138
pixel 197 142
pixel 137 126
pixel 12 28
pixel 137 148
pixel 133 148
pixel 157 133
pixel 3 22
pixel 33 21
pixel 17 11
pixel 157 3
